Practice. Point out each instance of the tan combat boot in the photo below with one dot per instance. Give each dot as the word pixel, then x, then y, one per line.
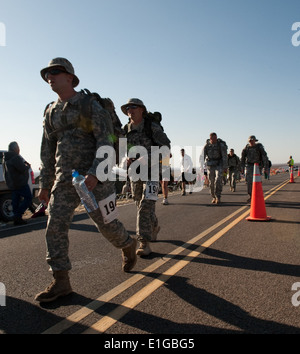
pixel 129 256
pixel 144 248
pixel 60 286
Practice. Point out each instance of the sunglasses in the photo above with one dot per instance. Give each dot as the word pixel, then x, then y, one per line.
pixel 132 106
pixel 54 72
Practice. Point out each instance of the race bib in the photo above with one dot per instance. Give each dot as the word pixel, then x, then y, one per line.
pixel 151 192
pixel 108 208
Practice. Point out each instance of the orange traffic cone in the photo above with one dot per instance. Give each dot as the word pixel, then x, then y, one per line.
pixel 258 208
pixel 292 176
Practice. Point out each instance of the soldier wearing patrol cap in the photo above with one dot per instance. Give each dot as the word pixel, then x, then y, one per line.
pixel 253 153
pixel 144 189
pixel 67 146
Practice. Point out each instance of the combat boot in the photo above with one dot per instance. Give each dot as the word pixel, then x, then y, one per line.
pixel 129 256
pixel 60 286
pixel 144 248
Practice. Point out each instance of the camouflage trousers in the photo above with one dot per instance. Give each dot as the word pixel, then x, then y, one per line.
pixel 215 176
pixel 63 202
pixel 233 172
pixel 146 220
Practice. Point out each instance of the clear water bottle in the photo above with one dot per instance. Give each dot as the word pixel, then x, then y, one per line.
pixel 87 198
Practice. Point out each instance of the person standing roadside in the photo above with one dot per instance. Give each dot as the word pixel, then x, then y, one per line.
pixel 140 133
pixel 215 156
pixel 253 153
pixel 291 163
pixel 186 168
pixel 16 173
pixel 66 145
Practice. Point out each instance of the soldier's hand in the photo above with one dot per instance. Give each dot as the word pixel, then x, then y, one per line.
pixel 91 182
pixel 43 195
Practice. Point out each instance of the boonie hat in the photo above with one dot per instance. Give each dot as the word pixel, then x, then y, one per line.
pixel 132 101
pixel 252 137
pixel 61 62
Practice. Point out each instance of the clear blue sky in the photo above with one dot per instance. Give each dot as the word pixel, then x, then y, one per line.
pixel 227 66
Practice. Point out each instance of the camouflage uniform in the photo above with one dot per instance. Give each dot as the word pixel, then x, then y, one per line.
pixel 216 161
pixel 233 165
pixel 63 150
pixel 146 219
pixel 250 156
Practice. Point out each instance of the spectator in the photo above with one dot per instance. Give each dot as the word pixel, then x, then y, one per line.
pixel 16 177
pixel 186 168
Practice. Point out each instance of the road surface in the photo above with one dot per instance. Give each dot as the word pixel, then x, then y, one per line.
pixel 211 271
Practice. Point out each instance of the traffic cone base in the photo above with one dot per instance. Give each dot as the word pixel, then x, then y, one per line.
pixel 258 208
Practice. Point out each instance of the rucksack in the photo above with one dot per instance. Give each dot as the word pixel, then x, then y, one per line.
pixel 84 120
pixel 219 143
pixel 150 118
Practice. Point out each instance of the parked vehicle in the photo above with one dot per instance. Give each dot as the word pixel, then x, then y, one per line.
pixel 6 210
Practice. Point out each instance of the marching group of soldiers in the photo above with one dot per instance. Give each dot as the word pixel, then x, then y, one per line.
pixel 67 144
pixel 219 163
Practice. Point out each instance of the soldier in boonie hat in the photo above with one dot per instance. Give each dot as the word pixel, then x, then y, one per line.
pixel 252 137
pixel 61 63
pixel 132 102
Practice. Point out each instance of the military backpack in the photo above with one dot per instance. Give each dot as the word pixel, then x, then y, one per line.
pixel 149 118
pixel 84 119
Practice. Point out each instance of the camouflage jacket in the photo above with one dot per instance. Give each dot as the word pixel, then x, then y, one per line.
pixel 254 154
pixel 136 136
pixel 67 145
pixel 216 154
pixel 233 161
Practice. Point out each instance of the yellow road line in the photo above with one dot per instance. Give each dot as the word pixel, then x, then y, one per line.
pixel 100 301
pixel 109 320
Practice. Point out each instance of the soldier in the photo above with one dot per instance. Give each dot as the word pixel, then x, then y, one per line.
pixel 140 133
pixel 251 154
pixel 215 156
pixel 234 166
pixel 67 145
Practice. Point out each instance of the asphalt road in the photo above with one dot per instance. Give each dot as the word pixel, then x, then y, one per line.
pixel 211 271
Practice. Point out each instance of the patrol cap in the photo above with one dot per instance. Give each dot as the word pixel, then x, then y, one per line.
pixel 252 137
pixel 61 62
pixel 134 102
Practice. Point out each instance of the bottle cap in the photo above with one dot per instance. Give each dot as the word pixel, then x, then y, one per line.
pixel 75 173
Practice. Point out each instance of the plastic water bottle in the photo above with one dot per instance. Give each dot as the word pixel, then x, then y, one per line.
pixel 87 198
